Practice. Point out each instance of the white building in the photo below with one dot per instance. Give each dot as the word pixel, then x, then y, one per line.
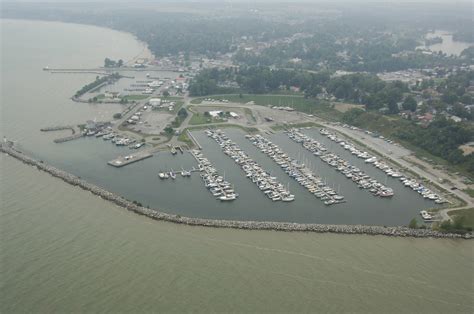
pixel 215 113
pixel 155 102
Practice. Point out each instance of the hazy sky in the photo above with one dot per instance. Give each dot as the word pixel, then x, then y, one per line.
pixel 254 1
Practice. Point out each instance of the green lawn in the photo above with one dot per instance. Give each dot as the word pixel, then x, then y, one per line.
pixel 135 97
pixel 199 118
pixel 466 214
pixel 183 137
pixel 279 127
pixel 470 192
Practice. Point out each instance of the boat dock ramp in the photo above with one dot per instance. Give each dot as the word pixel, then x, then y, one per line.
pixel 174 149
pixel 122 161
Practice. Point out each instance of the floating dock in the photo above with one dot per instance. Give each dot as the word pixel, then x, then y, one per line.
pixel 122 161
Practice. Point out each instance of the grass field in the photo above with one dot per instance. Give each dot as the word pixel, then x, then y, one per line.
pixel 466 214
pixel 279 127
pixel 297 102
pixel 199 118
pixel 470 192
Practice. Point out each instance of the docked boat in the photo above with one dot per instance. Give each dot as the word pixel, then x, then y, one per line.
pixel 426 216
pixel 163 175
pixel 185 173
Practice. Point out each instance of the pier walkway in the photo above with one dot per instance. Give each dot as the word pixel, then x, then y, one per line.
pixel 122 161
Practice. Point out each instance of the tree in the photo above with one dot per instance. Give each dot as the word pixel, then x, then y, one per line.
pixel 413 224
pixel 168 130
pixel 120 63
pixel 409 103
pixel 392 106
pixel 166 93
pixel 182 113
pixel 117 115
pixel 108 63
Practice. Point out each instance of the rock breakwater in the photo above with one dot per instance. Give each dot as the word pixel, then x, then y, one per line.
pixel 7 148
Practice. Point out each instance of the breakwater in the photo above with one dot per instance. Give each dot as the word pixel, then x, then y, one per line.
pixel 58 128
pixel 8 148
pixel 68 138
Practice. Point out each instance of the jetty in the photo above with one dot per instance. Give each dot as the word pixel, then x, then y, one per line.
pixel 58 128
pixel 122 161
pixel 68 138
pixel 8 148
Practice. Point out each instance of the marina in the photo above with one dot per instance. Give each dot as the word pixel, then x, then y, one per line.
pixel 267 183
pixel 387 169
pixel 351 172
pixel 216 184
pixel 137 182
pixel 296 170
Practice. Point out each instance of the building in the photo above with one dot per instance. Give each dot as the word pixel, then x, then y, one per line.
pixel 112 95
pixel 215 113
pixel 155 102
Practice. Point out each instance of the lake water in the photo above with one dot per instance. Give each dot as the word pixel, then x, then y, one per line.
pixel 65 250
pixel 448 46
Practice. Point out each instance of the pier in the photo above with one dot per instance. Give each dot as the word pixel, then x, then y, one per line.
pixel 361 179
pixel 383 166
pixel 269 185
pixel 194 139
pixel 122 161
pixel 296 170
pixel 216 184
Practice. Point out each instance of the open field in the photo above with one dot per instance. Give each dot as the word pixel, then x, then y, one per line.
pixel 343 107
pixel 199 118
pixel 135 97
pixel 466 214
pixel 297 102
pixel 470 192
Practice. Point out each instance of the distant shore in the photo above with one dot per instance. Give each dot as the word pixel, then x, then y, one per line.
pixel 8 149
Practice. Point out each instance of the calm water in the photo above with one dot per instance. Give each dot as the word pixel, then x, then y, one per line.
pixel 448 46
pixel 64 250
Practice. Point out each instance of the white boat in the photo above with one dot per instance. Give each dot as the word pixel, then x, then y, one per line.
pixel 185 173
pixel 426 216
pixel 288 198
pixel 228 197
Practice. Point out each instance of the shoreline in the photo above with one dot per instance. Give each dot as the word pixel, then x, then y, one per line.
pixel 215 223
